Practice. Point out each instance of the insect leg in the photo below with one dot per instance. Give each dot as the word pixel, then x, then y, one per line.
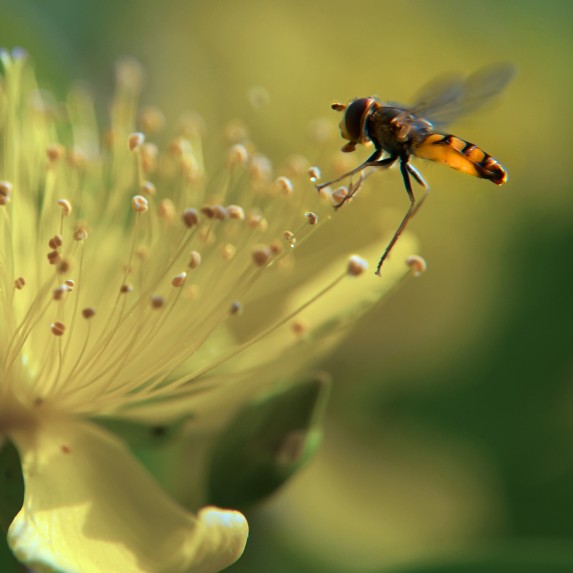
pixel 354 188
pixel 418 177
pixel 411 210
pixel 372 161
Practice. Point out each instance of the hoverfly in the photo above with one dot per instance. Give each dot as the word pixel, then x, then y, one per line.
pixel 399 132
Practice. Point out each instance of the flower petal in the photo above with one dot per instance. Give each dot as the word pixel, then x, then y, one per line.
pixel 90 507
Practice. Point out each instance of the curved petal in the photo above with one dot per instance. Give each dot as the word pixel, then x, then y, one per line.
pixel 90 507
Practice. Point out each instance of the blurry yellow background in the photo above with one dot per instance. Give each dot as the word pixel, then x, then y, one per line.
pixel 450 432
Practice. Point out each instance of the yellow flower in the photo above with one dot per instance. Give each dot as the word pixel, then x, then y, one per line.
pixel 134 286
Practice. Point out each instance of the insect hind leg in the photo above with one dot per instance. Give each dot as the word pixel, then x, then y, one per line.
pixel 406 170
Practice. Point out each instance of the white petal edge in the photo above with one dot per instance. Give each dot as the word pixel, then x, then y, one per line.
pixel 90 507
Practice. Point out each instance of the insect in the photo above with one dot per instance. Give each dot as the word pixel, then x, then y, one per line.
pixel 399 132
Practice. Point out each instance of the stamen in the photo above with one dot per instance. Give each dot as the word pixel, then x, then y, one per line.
pixel 312 218
pixel 57 328
pixel 66 207
pixel 135 141
pixel 5 192
pixel 194 259
pixel 88 312
pixel 140 204
pixel 236 212
pixel 236 308
pixel 190 217
pixel 55 152
pixel 417 264
pixel 314 173
pixel 284 185
pixel 356 266
pixel 148 188
pixel 179 280
pixel 262 256
pixel 157 301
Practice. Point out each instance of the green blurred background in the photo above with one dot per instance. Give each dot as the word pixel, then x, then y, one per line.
pixel 449 439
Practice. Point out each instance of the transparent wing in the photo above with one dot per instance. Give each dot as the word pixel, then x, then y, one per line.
pixel 450 96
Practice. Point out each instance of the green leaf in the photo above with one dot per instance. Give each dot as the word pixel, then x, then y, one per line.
pixel 266 444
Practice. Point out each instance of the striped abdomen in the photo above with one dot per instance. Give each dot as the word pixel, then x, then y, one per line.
pixel 461 155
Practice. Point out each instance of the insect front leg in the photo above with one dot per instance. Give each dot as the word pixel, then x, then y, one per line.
pixel 373 161
pixel 404 169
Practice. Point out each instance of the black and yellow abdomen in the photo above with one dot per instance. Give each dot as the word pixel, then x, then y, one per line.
pixel 462 156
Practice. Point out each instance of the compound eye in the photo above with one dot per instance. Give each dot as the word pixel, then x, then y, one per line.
pixel 352 126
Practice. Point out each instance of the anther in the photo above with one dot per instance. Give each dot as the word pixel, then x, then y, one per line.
pixel 157 301
pixel 70 283
pixel 356 266
pixel 63 265
pixel 236 308
pixel 237 156
pixel 299 327
pixel 59 293
pixel 5 192
pixel 55 151
pixel 19 283
pixel 284 185
pixel 194 259
pixel 261 168
pixel 258 97
pixel 57 328
pixel 228 251
pixel 125 288
pixel 220 213
pixel 311 217
pixel 340 194
pixel 166 210
pixel 236 212
pixel 135 140
pixel 66 207
pixel 148 188
pixel 139 204
pixel 275 247
pixel 190 217
pixel 80 233
pixel 151 119
pixel 262 256
pixel 208 211
pixel 417 264
pixel 55 242
pixel 88 312
pixel 53 257
pixel 179 280
pixel 314 173
pixel 289 237
pixel 256 221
